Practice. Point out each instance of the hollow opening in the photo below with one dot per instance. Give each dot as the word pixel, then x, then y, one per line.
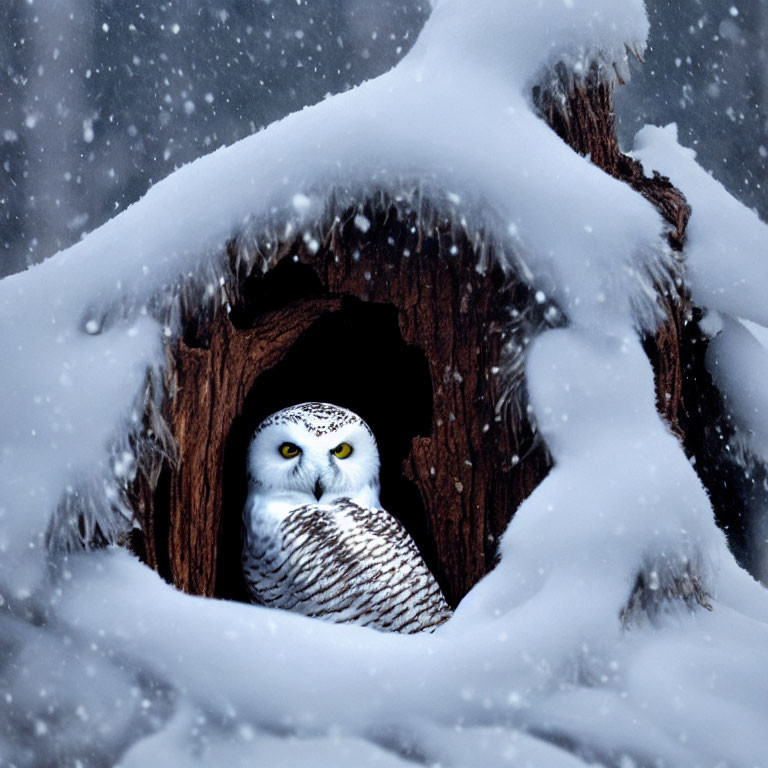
pixel 285 283
pixel 355 358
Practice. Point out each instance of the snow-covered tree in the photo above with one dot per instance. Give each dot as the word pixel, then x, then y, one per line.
pixel 474 199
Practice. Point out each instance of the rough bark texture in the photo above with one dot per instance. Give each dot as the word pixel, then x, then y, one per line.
pixel 459 475
pixel 210 387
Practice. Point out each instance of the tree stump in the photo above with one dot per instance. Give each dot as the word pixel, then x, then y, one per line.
pixel 394 321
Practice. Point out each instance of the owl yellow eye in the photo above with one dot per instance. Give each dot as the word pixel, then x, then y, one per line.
pixel 289 450
pixel 342 451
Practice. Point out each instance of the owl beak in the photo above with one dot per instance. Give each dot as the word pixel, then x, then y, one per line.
pixel 318 489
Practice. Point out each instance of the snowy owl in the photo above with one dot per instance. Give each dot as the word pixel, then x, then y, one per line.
pixel 316 539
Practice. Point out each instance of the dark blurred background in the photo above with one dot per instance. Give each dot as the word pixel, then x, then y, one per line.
pixel 706 69
pixel 99 98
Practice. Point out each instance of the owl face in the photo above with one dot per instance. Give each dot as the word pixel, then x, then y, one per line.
pixel 316 451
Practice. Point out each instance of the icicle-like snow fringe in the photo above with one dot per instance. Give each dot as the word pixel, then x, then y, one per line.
pixel 662 271
pixel 557 82
pixel 99 510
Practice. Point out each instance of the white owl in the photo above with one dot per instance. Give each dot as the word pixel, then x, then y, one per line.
pixel 316 540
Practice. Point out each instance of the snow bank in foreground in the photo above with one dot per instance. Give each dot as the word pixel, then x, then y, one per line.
pixel 536 652
pixel 587 643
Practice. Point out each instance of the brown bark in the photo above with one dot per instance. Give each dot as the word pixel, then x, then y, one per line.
pixel 210 386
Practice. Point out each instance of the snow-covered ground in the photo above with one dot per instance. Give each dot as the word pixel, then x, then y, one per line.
pixel 542 663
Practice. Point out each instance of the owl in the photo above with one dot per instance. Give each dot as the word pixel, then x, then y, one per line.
pixel 316 539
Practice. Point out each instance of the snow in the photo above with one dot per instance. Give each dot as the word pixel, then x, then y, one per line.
pixel 726 242
pixel 401 131
pixel 595 405
pixel 547 661
pixel 738 363
pixel 727 271
pixel 66 397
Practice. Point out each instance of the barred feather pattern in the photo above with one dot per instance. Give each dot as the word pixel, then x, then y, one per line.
pixel 345 563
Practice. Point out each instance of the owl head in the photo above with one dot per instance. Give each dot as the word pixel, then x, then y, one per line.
pixel 316 452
